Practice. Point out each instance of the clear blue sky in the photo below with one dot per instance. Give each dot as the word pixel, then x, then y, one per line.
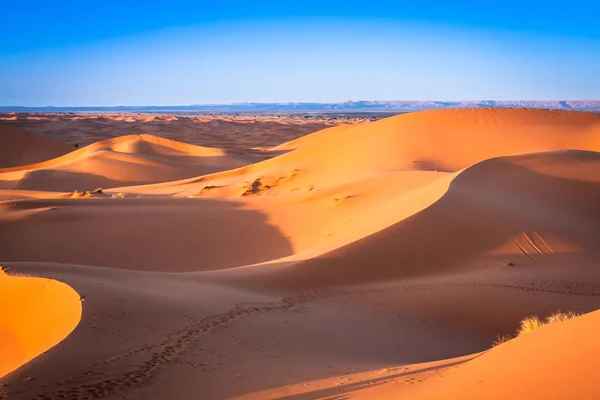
pixel 72 53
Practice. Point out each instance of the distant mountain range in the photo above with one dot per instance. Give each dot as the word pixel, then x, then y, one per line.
pixel 344 107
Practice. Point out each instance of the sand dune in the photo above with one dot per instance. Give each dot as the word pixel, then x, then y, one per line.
pixel 540 206
pixel 37 313
pixel 555 362
pixel 411 142
pixel 438 140
pixel 362 261
pixel 133 159
pixel 18 147
pixel 552 362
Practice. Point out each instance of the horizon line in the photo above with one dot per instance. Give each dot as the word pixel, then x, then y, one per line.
pixel 324 103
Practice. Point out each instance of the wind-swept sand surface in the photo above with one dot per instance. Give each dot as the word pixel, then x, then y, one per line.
pixel 365 260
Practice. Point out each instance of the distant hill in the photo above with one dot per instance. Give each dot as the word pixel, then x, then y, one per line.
pixel 346 107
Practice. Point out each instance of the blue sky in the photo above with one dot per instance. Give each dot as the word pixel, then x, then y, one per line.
pixel 74 53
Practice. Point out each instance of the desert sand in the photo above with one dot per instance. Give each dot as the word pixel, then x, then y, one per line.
pixel 363 260
pixel 19 147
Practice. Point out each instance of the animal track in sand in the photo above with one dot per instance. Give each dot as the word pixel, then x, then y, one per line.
pixel 92 384
pixel 557 287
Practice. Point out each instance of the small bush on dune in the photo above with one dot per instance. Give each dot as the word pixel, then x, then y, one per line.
pixel 99 190
pixel 501 339
pixel 80 195
pixel 533 322
pixel 528 324
pixel 118 195
pixel 560 316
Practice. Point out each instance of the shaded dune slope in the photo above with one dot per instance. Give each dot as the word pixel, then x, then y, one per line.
pixel 176 234
pixel 18 147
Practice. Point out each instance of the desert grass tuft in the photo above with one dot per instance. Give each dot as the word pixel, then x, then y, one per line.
pixel 528 324
pixel 560 316
pixel 501 339
pixel 81 195
pixel 118 195
pixel 533 322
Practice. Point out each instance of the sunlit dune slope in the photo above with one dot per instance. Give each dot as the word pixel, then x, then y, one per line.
pixel 437 140
pixel 528 209
pixel 556 361
pixel 133 159
pixel 18 147
pixel 35 315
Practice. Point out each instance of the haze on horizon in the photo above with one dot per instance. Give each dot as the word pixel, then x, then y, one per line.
pixel 109 53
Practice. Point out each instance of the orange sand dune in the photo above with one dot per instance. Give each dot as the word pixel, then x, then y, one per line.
pixel 18 147
pixel 553 362
pixel 369 260
pixel 134 159
pixel 540 206
pixel 421 141
pixel 36 314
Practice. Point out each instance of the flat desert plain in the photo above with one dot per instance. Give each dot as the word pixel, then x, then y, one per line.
pixel 232 258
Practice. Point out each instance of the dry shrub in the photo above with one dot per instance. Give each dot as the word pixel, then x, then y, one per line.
pixel 533 322
pixel 528 324
pixel 80 195
pixel 501 339
pixel 118 195
pixel 560 316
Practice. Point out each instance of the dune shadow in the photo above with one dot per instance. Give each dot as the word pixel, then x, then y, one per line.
pixel 67 181
pixel 152 234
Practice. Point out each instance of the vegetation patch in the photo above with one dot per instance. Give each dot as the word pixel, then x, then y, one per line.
pixel 533 322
